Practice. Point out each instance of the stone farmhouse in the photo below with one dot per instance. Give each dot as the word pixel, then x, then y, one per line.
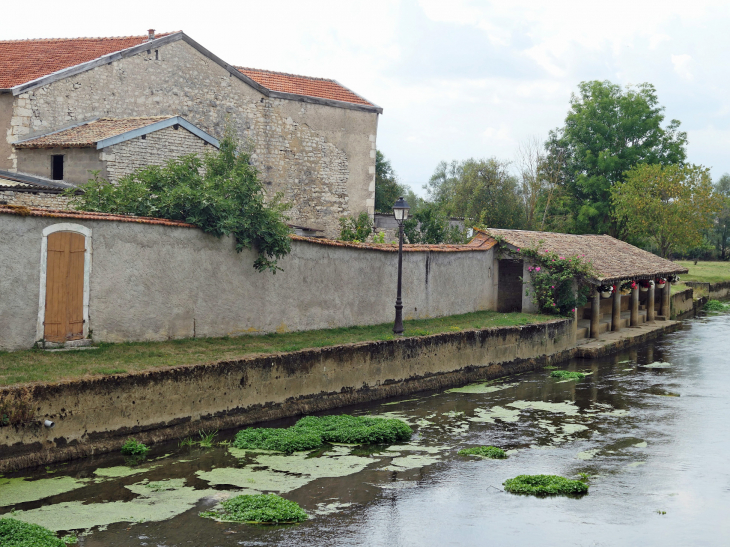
pixel 68 106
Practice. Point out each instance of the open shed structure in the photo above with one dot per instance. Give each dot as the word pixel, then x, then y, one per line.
pixel 615 262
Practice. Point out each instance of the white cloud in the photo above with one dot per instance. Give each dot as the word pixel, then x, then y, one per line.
pixel 682 66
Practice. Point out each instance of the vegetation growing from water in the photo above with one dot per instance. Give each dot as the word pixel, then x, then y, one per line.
pixel 134 448
pixel 567 375
pixel 491 452
pixel 545 485
pixel 716 305
pixel 15 533
pixel 312 432
pixel 34 365
pixel 258 509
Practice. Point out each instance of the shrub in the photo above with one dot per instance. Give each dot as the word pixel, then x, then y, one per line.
pixel 545 485
pixel 716 305
pixel 15 533
pixel 133 448
pixel 491 452
pixel 356 229
pixel 311 432
pixel 259 508
pixel 567 375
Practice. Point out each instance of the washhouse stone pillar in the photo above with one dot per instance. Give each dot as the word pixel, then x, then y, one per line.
pixel 650 309
pixel 616 315
pixel 595 313
pixel 634 307
pixel 665 299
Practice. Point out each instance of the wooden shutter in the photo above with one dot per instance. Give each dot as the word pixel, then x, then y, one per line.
pixel 65 287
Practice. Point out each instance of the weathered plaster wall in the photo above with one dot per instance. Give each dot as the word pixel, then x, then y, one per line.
pixel 6 115
pixel 151 282
pixel 97 415
pixel 321 157
pixel 45 200
pixel 78 163
pixel 155 149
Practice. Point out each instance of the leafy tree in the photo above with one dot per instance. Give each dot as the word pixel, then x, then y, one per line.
pixel 431 225
pixel 356 229
pixel 482 191
pixel 670 206
pixel 220 193
pixel 722 224
pixel 608 131
pixel 387 189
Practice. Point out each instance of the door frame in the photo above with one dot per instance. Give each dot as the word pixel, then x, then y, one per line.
pixel 63 227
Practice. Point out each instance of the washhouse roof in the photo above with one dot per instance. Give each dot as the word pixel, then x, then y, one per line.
pixel 103 132
pixel 613 260
pixel 27 64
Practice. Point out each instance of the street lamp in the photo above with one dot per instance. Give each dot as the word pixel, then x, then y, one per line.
pixel 400 212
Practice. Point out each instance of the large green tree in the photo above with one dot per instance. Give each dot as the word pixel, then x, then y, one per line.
pixel 671 206
pixel 722 223
pixel 387 188
pixel 608 131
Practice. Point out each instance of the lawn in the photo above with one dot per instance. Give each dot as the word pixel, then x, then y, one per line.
pixel 38 365
pixel 706 272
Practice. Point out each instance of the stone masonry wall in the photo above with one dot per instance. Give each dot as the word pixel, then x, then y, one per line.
pixel 155 149
pixel 46 200
pixel 321 157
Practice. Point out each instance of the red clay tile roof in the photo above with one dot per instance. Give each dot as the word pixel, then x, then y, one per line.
pixel 90 133
pixel 86 215
pixel 303 85
pixel 24 60
pixel 481 244
pixel 612 259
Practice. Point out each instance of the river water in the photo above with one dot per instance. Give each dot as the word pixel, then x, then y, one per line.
pixel 654 440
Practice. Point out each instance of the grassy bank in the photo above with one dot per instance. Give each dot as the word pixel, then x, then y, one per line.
pixel 706 272
pixel 37 365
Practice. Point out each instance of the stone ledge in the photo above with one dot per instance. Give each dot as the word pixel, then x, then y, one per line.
pixel 625 338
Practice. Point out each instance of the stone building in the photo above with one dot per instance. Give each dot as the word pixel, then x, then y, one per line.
pixel 311 138
pixel 29 191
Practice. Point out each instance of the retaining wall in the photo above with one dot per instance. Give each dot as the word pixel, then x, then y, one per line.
pixel 97 415
pixel 716 291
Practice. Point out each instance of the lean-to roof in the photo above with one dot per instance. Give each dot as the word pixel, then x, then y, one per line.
pixel 21 181
pixel 613 260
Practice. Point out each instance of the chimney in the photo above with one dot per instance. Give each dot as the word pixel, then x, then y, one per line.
pixel 150 35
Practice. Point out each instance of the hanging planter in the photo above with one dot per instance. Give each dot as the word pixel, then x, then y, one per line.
pixel 627 287
pixel 605 291
pixel 645 285
pixel 660 282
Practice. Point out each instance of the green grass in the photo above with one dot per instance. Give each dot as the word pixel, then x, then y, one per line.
pixel 133 448
pixel 705 272
pixel 312 432
pixel 14 533
pixel 40 366
pixel 491 452
pixel 258 509
pixel 545 485
pixel 567 375
pixel 206 438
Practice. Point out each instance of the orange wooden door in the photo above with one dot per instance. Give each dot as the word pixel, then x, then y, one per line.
pixel 65 287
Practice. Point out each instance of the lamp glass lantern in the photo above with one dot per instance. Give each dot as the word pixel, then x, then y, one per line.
pixel 400 210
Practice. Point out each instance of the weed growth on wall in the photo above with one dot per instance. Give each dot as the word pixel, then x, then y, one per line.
pixel 134 448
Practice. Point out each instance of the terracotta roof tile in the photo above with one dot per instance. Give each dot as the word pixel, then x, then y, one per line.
pixel 613 259
pixel 482 245
pixel 303 85
pixel 24 60
pixel 88 134
pixel 86 215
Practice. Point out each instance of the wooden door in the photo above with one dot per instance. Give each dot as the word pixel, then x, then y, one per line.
pixel 65 287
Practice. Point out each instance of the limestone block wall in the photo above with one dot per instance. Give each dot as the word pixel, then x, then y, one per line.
pixel 78 163
pixel 321 157
pixel 155 149
pixel 45 200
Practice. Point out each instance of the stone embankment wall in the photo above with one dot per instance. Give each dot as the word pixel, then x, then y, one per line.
pixel 716 291
pixel 99 414
pixel 321 157
pixel 158 282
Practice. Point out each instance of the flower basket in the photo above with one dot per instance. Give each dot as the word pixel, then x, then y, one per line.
pixel 606 294
pixel 643 289
pixel 660 285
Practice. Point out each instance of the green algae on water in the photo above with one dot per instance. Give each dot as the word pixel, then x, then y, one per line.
pixel 121 471
pixel 491 452
pixel 412 461
pixel 545 485
pixel 19 490
pixel 561 408
pixel 258 509
pixel 479 388
pixel 657 365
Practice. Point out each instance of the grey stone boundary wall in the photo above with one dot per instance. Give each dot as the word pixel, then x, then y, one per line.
pixel 716 291
pixel 97 415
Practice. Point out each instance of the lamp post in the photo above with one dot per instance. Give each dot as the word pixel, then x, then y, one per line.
pixel 400 212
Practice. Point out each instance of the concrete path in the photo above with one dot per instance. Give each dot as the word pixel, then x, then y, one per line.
pixel 609 342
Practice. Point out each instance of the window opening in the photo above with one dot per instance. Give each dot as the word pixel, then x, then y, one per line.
pixel 57 167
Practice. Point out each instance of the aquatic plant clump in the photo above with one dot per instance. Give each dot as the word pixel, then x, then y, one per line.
pixel 15 533
pixel 545 485
pixel 258 509
pixel 716 305
pixel 311 432
pixel 484 451
pixel 567 375
pixel 133 448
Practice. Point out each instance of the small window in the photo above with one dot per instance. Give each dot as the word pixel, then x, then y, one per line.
pixel 57 167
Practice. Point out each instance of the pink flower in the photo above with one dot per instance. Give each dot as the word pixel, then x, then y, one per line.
pixel 573 309
pixel 552 286
pixel 518 250
pixel 562 258
pixel 537 269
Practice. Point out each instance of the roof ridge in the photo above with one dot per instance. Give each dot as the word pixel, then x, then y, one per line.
pixel 240 68
pixel 140 36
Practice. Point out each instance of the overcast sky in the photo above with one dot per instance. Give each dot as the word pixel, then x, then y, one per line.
pixel 457 78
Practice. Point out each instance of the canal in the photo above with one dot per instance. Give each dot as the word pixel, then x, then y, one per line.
pixel 650 427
